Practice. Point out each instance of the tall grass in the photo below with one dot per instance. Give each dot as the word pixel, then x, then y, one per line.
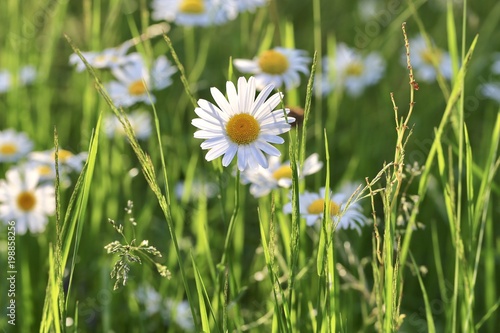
pixel 426 262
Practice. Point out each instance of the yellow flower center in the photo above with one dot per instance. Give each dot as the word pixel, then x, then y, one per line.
pixel 316 207
pixel 137 88
pixel 63 155
pixel 354 69
pixel 26 201
pixel 243 128
pixel 273 62
pixel 192 6
pixel 284 171
pixel 44 170
pixel 8 149
pixel 428 55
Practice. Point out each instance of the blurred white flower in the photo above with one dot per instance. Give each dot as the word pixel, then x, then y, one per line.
pixel 279 66
pixel 311 208
pixel 278 174
pixel 150 298
pixel 139 120
pixel 27 75
pixel 22 200
pixel 424 56
pixel 351 71
pixel 135 80
pixel 108 58
pixel 14 145
pixel 180 313
pixel 491 90
pixel 196 189
pixel 67 160
pixel 250 5
pixel 194 12
pixel 4 80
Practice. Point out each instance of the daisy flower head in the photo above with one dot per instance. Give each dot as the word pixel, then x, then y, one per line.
pixel 14 145
pixel 25 201
pixel 135 80
pixel 241 125
pixel 195 12
pixel 351 71
pixel 108 58
pixel 277 174
pixel 311 208
pixel 5 79
pixel 279 66
pixel 66 159
pixel 424 58
pixel 139 120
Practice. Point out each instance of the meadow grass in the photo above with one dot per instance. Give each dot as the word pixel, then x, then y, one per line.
pixel 423 155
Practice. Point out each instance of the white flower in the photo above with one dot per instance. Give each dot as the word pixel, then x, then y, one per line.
pixel 5 80
pixel 150 298
pixel 311 208
pixel 108 58
pixel 241 124
pixel 139 120
pixel 14 145
pixel 250 5
pixel 26 203
pixel 422 57
pixel 27 75
pixel 135 80
pixel 351 71
pixel 194 12
pixel 196 189
pixel 67 160
pixel 180 313
pixel 278 174
pixel 491 90
pixel 277 66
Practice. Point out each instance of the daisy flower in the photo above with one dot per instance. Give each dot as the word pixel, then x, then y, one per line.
pixel 180 313
pixel 27 75
pixel 197 188
pixel 4 80
pixel 278 174
pixel 14 145
pixel 139 120
pixel 423 58
pixel 24 201
pixel 250 5
pixel 277 66
pixel 351 71
pixel 242 124
pixel 194 12
pixel 67 160
pixel 108 58
pixel 311 208
pixel 135 80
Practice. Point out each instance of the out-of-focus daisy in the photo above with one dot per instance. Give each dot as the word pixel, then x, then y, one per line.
pixel 180 313
pixel 311 208
pixel 150 298
pixel 108 58
pixel 196 189
pixel 14 145
pixel 194 12
pixel 278 174
pixel 67 160
pixel 277 66
pixel 250 5
pixel 139 120
pixel 27 75
pixel 4 80
pixel 135 80
pixel 24 201
pixel 241 124
pixel 491 90
pixel 423 58
pixel 351 71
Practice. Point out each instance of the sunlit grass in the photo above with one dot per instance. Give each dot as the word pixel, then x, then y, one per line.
pixel 423 158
